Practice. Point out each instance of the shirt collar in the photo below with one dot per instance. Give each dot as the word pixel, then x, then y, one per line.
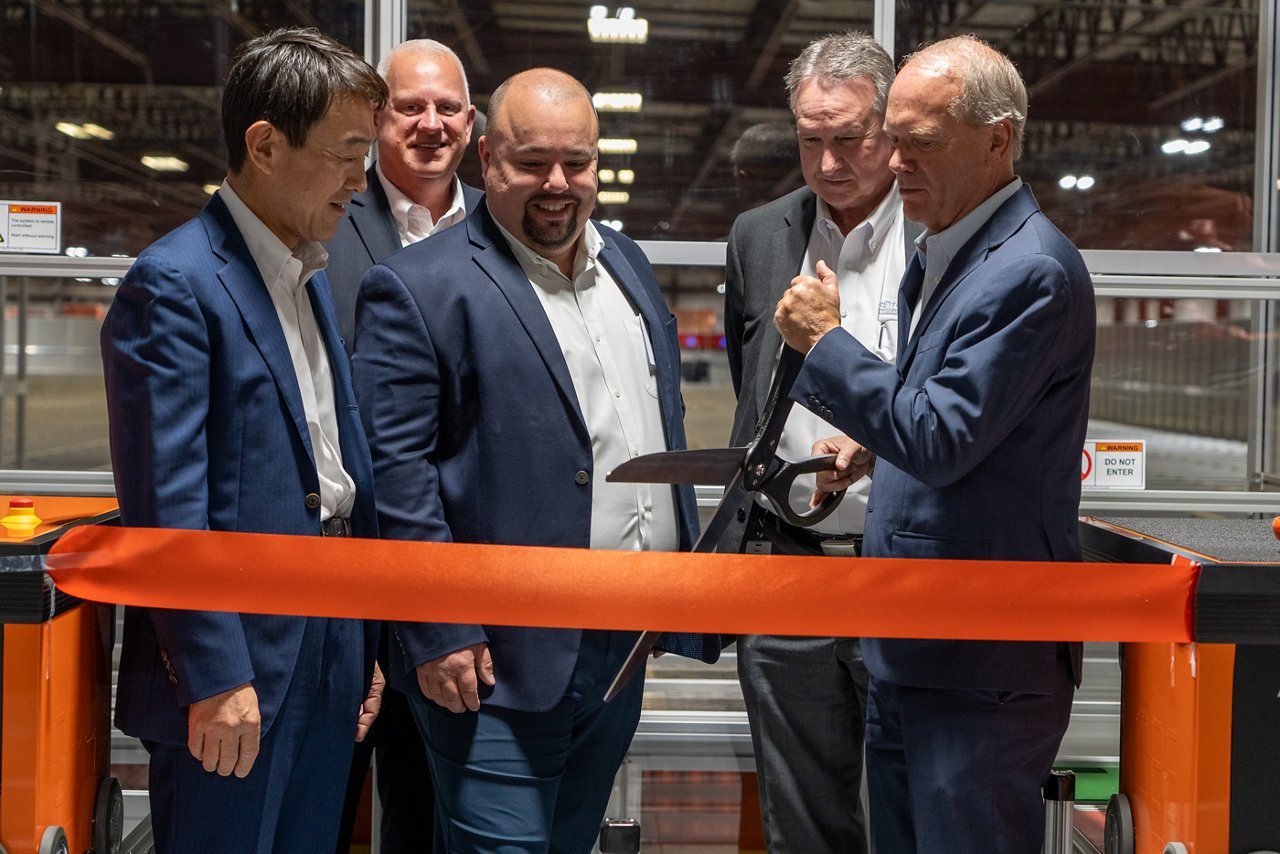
pixel 268 251
pixel 877 222
pixel 401 204
pixel 589 246
pixel 954 237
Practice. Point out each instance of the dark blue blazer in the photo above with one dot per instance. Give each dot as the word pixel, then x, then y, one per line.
pixel 208 432
pixel 978 430
pixel 477 435
pixel 366 236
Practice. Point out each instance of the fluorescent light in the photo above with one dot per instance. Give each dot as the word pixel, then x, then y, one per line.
pixel 1213 124
pixel 618 102
pixel 97 131
pixel 1174 146
pixel 210 189
pixel 606 176
pixel 1207 249
pixel 1066 182
pixel 626 176
pixel 608 145
pixel 1085 182
pixel 1200 146
pixel 624 29
pixel 598 12
pixel 615 224
pixel 613 197
pixel 72 130
pixel 1192 124
pixel 76 252
pixel 164 163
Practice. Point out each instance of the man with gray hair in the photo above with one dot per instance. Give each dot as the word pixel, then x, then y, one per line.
pixel 977 433
pixel 413 192
pixel 806 697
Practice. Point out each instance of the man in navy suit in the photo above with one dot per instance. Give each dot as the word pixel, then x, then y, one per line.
pixel 231 409
pixel 977 432
pixel 504 367
pixel 413 192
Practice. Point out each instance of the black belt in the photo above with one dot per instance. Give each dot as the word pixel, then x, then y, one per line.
pixel 813 538
pixel 335 526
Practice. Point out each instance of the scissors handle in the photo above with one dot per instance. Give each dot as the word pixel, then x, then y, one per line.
pixel 777 490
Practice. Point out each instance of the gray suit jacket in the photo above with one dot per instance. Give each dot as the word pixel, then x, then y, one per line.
pixel 766 248
pixel 367 235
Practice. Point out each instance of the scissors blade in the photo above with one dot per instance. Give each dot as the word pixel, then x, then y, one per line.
pixel 708 466
pixel 735 498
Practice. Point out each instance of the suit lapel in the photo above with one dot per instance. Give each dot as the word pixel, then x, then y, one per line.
pixel 494 257
pixel 654 321
pixel 1007 219
pixel 244 284
pixel 371 218
pixel 788 247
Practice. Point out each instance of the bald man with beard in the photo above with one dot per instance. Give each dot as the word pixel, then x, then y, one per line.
pixel 504 367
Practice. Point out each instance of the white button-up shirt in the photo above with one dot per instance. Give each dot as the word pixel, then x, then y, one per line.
pixel 868 262
pixel 413 221
pixel 610 359
pixel 286 273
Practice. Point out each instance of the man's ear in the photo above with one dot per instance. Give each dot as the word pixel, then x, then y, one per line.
pixel 262 141
pixel 1001 137
pixel 482 146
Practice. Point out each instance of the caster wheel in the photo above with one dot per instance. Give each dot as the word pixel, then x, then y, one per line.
pixel 54 841
pixel 1118 830
pixel 108 817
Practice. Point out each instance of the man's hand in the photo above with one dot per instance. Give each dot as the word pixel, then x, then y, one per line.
pixel 809 309
pixel 372 704
pixel 223 731
pixel 453 680
pixel 853 462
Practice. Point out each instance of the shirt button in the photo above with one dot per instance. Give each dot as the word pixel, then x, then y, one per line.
pixel 312 501
pixel 617 394
pixel 582 478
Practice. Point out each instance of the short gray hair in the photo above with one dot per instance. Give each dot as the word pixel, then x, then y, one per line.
pixel 840 57
pixel 426 47
pixel 991 89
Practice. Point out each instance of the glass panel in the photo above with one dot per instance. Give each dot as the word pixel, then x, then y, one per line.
pixel 53 412
pixel 1141 127
pixel 707 72
pixel 89 89
pixel 1177 374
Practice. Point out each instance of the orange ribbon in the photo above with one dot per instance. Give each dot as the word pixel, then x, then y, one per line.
pixel 560 587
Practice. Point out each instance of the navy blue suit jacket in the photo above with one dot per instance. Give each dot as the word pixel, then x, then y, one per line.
pixel 365 236
pixel 477 435
pixel 208 432
pixel 978 431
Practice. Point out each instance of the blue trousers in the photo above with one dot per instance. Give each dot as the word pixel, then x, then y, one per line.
pixel 291 800
pixel 514 782
pixel 961 771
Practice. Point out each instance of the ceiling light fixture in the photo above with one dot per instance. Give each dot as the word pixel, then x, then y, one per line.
pixel 626 176
pixel 613 197
pixel 164 163
pixel 618 102
pixel 1067 182
pixel 614 145
pixel 625 28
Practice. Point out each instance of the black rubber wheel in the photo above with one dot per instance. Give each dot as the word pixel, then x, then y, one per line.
pixel 54 841
pixel 1119 835
pixel 108 817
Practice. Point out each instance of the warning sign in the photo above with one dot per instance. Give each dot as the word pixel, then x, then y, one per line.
pixel 1114 465
pixel 31 227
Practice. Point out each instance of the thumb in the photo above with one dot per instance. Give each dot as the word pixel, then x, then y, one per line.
pixel 484 667
pixel 827 275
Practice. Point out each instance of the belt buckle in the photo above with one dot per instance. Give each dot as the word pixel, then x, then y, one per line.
pixel 335 526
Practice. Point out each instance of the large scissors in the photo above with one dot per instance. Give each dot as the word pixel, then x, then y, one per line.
pixel 745 471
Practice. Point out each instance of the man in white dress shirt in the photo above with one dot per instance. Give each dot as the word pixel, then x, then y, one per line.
pixel 806 697
pixel 504 366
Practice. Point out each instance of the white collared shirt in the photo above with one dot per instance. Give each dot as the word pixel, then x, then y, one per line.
pixel 413 221
pixel 868 262
pixel 286 274
pixel 939 249
pixel 611 363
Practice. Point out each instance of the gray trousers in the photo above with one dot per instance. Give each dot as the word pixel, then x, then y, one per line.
pixel 806 701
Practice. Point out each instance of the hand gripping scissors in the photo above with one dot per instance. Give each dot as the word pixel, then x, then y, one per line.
pixel 744 471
